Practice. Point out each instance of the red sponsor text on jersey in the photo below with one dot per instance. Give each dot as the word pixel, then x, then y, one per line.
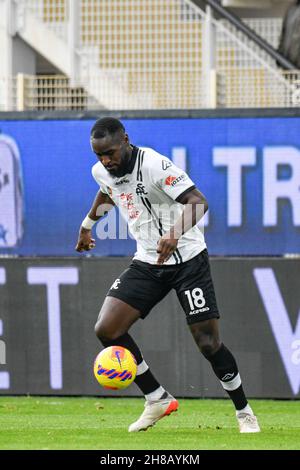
pixel 127 201
pixel 173 180
pixel 170 180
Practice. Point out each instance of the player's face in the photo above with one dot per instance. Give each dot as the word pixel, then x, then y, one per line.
pixel 112 152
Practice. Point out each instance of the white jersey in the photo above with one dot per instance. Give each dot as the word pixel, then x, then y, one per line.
pixel 146 197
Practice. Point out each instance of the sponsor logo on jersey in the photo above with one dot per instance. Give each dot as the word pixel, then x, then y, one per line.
pixel 123 181
pixel 127 202
pixel 126 197
pixel 140 190
pixel 165 164
pixel 173 180
pixel 170 180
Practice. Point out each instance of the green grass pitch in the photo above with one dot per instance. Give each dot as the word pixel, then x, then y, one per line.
pixel 101 423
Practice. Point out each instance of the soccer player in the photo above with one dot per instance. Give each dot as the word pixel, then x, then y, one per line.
pixel 161 205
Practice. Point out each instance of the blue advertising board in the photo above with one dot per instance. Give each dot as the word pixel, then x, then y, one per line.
pixel 248 168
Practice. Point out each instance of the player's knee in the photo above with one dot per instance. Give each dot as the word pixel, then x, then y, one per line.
pixel 208 344
pixel 103 332
pixel 209 349
pixel 106 332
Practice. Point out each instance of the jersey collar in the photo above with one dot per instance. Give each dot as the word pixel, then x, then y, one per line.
pixel 128 169
pixel 132 160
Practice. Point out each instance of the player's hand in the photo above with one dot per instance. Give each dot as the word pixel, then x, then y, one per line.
pixel 166 247
pixel 85 241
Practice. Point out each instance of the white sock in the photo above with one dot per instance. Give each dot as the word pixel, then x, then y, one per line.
pixel 247 410
pixel 142 368
pixel 156 395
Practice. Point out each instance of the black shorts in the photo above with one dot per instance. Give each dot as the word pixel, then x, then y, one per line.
pixel 143 285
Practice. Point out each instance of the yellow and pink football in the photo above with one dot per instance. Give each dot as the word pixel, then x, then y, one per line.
pixel 115 368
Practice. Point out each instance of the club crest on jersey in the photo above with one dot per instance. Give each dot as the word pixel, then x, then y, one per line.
pixel 116 284
pixel 173 180
pixel 165 164
pixel 140 190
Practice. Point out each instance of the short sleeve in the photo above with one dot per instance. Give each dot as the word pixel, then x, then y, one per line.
pixel 171 179
pixel 103 188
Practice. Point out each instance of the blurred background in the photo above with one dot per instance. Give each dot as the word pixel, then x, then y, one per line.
pixel 215 86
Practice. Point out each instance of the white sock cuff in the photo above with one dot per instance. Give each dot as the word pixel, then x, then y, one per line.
pixel 156 395
pixel 142 368
pixel 247 410
pixel 232 384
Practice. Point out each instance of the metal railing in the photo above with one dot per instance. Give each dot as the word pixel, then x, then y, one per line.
pixel 249 33
pixel 251 88
pixel 45 92
pixel 247 76
pixel 236 88
pixel 8 94
pixel 151 49
pixel 52 92
pixel 53 13
pixel 141 54
pixel 267 28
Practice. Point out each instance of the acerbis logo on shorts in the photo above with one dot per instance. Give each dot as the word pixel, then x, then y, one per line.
pixel 196 299
pixel 172 180
pixel 200 310
pixel 116 284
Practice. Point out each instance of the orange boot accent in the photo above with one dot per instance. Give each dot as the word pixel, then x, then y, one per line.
pixel 174 405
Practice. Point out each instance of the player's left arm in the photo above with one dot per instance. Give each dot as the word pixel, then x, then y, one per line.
pixel 195 207
pixel 176 183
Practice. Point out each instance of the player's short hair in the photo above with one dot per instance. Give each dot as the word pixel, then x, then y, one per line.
pixel 106 126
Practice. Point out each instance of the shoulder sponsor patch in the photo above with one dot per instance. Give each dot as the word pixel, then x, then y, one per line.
pixel 169 180
pixel 173 180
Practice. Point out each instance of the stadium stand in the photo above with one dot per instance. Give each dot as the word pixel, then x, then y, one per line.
pixel 137 54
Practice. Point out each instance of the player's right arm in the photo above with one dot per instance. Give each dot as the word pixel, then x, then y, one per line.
pixel 101 205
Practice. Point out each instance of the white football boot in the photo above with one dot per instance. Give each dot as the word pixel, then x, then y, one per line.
pixel 154 411
pixel 248 423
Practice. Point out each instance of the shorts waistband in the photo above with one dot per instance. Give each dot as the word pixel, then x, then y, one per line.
pixel 168 266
